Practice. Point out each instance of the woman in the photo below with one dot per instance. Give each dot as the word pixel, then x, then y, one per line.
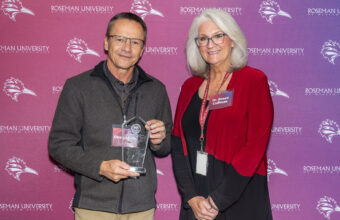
pixel 222 126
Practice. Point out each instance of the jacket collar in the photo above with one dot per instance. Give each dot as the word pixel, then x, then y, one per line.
pixel 98 71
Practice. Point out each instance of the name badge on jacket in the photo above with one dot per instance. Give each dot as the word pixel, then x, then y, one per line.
pixel 221 100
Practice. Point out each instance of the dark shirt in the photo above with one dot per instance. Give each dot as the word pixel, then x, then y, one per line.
pixel 192 132
pixel 120 88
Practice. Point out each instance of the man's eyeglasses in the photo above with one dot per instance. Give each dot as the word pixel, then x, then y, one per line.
pixel 216 39
pixel 121 40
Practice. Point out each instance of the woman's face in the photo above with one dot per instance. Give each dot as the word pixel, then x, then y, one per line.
pixel 214 54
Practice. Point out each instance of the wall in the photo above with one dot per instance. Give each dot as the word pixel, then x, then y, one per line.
pixel 296 43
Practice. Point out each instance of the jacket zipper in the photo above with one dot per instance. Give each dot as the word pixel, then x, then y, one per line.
pixel 123 107
pixel 120 204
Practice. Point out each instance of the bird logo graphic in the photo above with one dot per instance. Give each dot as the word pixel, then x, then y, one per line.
pixel 143 8
pixel 160 172
pixel 330 50
pixel 275 91
pixel 328 129
pixel 14 87
pixel 77 47
pixel 12 7
pixel 70 206
pixel 270 9
pixel 16 166
pixel 272 168
pixel 326 206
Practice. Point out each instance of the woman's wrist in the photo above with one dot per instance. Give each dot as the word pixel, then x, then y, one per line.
pixel 212 204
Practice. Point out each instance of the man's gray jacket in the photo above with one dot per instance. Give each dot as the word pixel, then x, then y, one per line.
pixel 80 139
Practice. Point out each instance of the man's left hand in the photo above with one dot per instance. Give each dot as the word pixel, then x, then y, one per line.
pixel 157 131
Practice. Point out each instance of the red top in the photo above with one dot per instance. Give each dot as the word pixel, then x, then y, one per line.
pixel 239 134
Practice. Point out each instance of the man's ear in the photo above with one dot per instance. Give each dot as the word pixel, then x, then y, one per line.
pixel 106 44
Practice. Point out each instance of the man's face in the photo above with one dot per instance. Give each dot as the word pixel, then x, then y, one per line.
pixel 124 54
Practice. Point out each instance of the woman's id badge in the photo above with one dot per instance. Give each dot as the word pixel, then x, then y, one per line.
pixel 201 163
pixel 222 100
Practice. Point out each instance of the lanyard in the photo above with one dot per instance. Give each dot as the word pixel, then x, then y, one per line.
pixel 204 110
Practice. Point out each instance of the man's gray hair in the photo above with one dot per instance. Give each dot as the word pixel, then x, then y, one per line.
pixel 228 25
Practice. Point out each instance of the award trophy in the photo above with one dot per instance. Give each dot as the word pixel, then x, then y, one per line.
pixel 134 143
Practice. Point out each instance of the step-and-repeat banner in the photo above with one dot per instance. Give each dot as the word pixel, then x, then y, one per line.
pixel 296 43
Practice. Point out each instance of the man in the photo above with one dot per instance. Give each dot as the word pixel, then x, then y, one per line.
pixel 90 106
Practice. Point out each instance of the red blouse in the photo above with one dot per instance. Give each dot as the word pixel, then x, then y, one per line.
pixel 239 134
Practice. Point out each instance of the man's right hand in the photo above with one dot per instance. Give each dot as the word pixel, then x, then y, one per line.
pixel 116 170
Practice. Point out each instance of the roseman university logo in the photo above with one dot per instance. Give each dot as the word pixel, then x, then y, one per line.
pixel 270 9
pixel 14 87
pixel 272 168
pixel 76 48
pixel 13 7
pixel 328 129
pixel 274 91
pixel 16 166
pixel 326 206
pixel 330 50
pixel 160 172
pixel 143 8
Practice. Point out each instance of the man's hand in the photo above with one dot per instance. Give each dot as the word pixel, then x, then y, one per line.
pixel 116 170
pixel 157 131
pixel 202 209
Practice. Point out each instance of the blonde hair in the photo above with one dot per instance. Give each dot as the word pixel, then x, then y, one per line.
pixel 228 25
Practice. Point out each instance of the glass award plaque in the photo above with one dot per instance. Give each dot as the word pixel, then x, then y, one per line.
pixel 134 143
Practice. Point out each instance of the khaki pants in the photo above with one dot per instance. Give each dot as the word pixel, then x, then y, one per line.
pixel 85 214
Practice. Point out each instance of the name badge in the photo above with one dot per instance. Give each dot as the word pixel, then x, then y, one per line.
pixel 222 100
pixel 201 163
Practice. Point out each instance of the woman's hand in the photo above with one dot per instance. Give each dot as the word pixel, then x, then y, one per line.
pixel 202 209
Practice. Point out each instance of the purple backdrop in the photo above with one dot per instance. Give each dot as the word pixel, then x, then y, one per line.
pixel 296 43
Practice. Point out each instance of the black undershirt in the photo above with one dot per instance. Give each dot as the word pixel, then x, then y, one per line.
pixel 192 131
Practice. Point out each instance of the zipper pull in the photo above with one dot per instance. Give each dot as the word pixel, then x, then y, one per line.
pixel 124 117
